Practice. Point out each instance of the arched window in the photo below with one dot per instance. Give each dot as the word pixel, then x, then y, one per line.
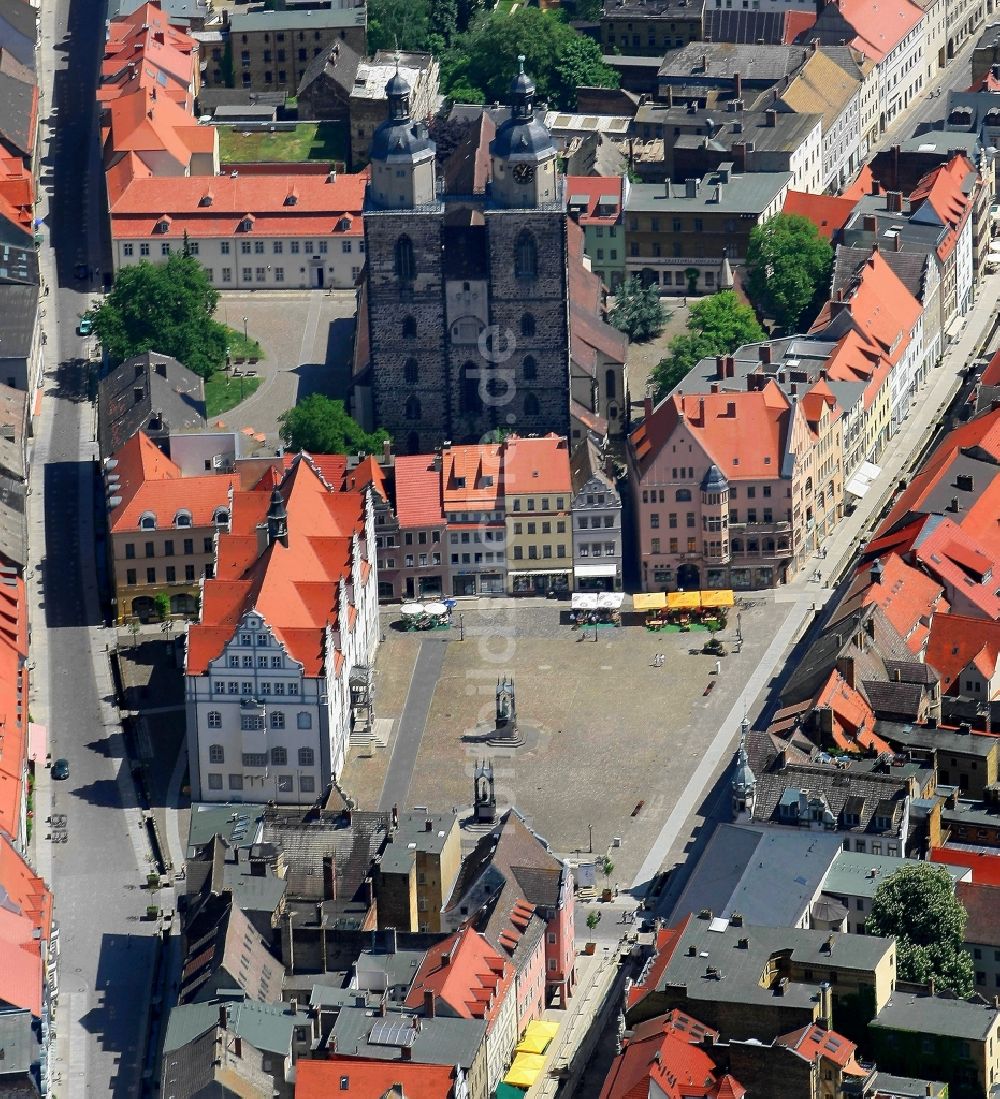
pixel 279 756
pixel 412 408
pixel 527 325
pixel 531 405
pixel 221 517
pixel 147 521
pixel 470 401
pixel 409 328
pixel 530 367
pixel 609 384
pixel 306 757
pixel 413 443
pixel 182 519
pixel 411 372
pixel 406 265
pixel 277 719
pixel 683 496
pixel 216 753
pixel 214 719
pixel 525 256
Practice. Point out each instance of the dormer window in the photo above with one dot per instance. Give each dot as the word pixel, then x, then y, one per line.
pixel 221 517
pixel 163 223
pixel 246 223
pixel 147 521
pixel 292 197
pixel 206 199
pixel 344 223
pixel 182 519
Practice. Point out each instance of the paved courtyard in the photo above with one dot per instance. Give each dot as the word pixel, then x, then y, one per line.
pixel 605 729
pixel 306 336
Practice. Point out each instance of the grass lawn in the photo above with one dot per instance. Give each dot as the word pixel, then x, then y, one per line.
pixel 222 393
pixel 242 348
pixel 326 141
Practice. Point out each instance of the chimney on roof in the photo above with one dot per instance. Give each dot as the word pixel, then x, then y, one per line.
pixel 738 85
pixel 405 1053
pixel 720 366
pixel 765 353
pixel 715 387
pixel 869 223
pixel 770 118
pixel 691 188
pixel 670 95
pixel 894 200
pixel 430 1010
pixel 704 62
pixel 277 519
pixel 730 366
pixel 876 571
pixel 238 1047
pixel 876 187
pixel 223 1020
pixel 814 45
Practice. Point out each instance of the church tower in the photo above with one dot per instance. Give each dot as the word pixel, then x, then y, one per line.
pixel 402 155
pixel 523 155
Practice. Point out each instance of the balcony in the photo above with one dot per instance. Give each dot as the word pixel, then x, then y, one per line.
pixel 759 529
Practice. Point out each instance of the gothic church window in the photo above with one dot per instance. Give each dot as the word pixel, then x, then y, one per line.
pixel 526 257
pixel 409 328
pixel 412 408
pixel 406 264
pixel 527 325
pixel 411 372
pixel 530 367
pixel 470 401
pixel 531 406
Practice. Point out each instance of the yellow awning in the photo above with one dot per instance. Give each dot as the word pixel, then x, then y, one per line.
pixel 683 601
pixel 721 598
pixel 537 1037
pixel 649 601
pixel 525 1070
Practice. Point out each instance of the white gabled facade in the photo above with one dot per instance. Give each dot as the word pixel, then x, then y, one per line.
pixel 260 725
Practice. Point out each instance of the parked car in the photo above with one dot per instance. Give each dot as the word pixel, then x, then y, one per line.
pixel 86 326
pixel 60 769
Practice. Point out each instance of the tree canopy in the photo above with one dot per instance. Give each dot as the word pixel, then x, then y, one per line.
pixel 556 57
pixel 788 267
pixel 164 307
pixel 918 905
pixel 322 426
pixel 638 312
pixel 717 325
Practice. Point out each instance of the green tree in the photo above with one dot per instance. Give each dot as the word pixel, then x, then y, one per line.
pixel 398 24
pixel 788 267
pixel 443 19
pixel 593 919
pixel 165 307
pixel 918 905
pixel 322 426
pixel 638 312
pixel 717 325
pixel 161 604
pixel 557 58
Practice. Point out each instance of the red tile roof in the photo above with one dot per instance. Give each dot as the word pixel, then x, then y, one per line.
pixel 956 641
pixel 908 597
pixel 369 1079
pixel 20 963
pixel 853 725
pixel 942 190
pixel 667 939
pixel 535 465
pixel 879 28
pixel 418 491
pixel 991 375
pixel 593 189
pixel 827 212
pixel 16 192
pixel 663 1057
pixel 812 1042
pixel 206 206
pixel 470 477
pixel 295 588
pixel 796 23
pixel 861 186
pixel 465 973
pixel 961 565
pixel 25 890
pixel 981 902
pixel 13 705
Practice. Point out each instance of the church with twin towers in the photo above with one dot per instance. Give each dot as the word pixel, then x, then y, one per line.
pixel 463 314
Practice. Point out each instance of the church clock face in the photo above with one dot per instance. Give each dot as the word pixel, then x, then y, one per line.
pixel 523 173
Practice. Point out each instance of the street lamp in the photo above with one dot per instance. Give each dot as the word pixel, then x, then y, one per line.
pixel 461 626
pixel 245 335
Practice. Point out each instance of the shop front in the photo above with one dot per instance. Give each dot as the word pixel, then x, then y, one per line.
pixel 540 582
pixel 604 577
pixel 477 583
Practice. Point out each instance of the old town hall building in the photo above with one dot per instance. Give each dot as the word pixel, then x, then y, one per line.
pixel 464 305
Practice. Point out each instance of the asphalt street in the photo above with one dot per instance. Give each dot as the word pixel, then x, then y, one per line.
pixel 107 952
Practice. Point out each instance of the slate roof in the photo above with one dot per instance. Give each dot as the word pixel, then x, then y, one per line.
pixel 18 30
pixel 18 113
pixel 18 1042
pixel 767 64
pixel 209 1066
pixel 836 787
pixel 18 317
pixel 267 1027
pixel 167 387
pixel 909 267
pixel 338 64
pixel 440 1041
pixel 914 1013
pixel 767 876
